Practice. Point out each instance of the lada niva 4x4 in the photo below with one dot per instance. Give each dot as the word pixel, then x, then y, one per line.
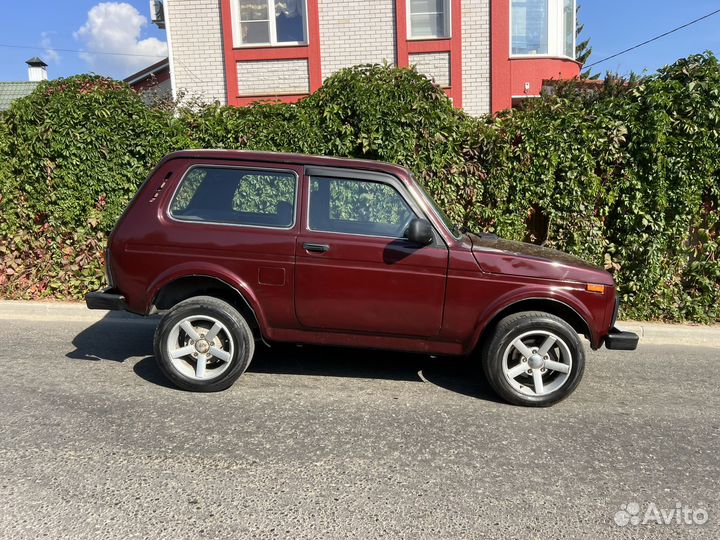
pixel 232 247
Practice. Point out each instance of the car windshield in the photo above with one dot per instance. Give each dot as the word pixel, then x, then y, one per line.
pixel 454 230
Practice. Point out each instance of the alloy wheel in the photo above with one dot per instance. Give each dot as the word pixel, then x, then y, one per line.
pixel 537 363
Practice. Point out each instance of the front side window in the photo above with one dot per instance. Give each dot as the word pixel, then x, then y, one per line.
pixel 544 27
pixel 429 19
pixel 357 207
pixel 270 22
pixel 236 196
pixel 441 214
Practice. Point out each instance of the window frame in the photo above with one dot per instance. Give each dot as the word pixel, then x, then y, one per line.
pixel 272 28
pixel 436 211
pixel 168 205
pixel 561 38
pixel 555 29
pixel 448 22
pixel 360 176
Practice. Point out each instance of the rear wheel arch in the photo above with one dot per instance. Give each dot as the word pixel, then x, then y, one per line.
pixel 547 305
pixel 183 288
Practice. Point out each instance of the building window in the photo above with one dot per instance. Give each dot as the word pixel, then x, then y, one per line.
pixel 530 27
pixel 543 27
pixel 569 27
pixel 269 22
pixel 429 19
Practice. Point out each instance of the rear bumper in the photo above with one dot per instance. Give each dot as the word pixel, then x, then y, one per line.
pixel 107 299
pixel 621 341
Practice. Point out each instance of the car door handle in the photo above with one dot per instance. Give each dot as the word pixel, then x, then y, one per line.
pixel 316 248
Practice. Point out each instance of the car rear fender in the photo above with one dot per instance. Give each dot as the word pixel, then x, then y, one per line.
pixel 212 271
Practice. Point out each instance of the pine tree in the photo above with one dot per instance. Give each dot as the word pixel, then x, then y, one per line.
pixel 583 50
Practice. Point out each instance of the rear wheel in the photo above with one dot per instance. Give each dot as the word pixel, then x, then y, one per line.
pixel 533 359
pixel 203 344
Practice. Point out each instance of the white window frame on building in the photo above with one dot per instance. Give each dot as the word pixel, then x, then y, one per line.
pixel 559 28
pixel 235 13
pixel 447 21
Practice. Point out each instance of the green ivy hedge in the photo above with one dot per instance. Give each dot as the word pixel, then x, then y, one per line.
pixel 626 176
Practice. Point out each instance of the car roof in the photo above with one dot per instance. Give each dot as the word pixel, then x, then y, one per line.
pixel 292 159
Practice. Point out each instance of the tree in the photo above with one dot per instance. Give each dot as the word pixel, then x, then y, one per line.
pixel 583 50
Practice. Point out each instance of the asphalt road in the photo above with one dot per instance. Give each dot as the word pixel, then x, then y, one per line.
pixel 314 443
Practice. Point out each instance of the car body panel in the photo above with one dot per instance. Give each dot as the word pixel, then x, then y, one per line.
pixel 499 256
pixel 157 249
pixel 385 285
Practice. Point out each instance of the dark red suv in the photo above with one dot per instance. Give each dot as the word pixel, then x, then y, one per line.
pixel 235 247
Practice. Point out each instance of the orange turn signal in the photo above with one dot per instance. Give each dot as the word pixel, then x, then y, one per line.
pixel 591 287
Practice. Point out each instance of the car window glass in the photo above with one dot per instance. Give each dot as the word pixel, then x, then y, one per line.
pixel 236 196
pixel 357 207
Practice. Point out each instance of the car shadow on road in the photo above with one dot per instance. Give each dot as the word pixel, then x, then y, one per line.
pixel 119 337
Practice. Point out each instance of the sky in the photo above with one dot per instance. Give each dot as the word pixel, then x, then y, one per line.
pixel 84 25
pixel 615 25
pixel 123 26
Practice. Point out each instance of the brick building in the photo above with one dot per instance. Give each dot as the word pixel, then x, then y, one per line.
pixel 153 82
pixel 485 53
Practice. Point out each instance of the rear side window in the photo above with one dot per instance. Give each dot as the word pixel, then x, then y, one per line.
pixel 236 196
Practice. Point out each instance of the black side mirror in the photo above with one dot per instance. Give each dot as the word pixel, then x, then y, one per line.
pixel 420 232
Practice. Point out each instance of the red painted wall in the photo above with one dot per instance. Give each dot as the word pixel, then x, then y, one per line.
pixel 536 70
pixel 507 79
pixel 405 47
pixel 310 52
pixel 509 75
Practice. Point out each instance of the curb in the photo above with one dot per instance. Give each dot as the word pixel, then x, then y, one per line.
pixel 650 333
pixel 20 310
pixel 673 333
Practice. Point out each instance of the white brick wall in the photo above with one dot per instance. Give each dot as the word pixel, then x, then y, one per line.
pixel 273 77
pixel 436 66
pixel 476 56
pixel 195 31
pixel 356 32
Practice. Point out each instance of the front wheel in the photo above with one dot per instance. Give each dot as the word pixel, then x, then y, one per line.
pixel 203 344
pixel 533 359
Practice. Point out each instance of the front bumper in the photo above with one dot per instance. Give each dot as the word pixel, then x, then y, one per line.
pixel 107 299
pixel 621 341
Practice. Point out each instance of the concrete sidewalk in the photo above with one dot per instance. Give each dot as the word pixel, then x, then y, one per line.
pixel 650 333
pixel 674 334
pixel 20 310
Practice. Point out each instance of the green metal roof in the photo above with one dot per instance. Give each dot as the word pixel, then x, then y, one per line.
pixel 10 91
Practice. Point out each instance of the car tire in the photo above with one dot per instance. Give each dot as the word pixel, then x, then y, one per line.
pixel 203 344
pixel 533 359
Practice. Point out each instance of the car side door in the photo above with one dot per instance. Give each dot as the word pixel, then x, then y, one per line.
pixel 355 272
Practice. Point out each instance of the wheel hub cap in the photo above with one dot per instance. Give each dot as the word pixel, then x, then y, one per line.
pixel 535 361
pixel 202 346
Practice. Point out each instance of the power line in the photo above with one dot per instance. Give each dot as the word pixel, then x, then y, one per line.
pixel 198 79
pixel 7 46
pixel 98 52
pixel 652 39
